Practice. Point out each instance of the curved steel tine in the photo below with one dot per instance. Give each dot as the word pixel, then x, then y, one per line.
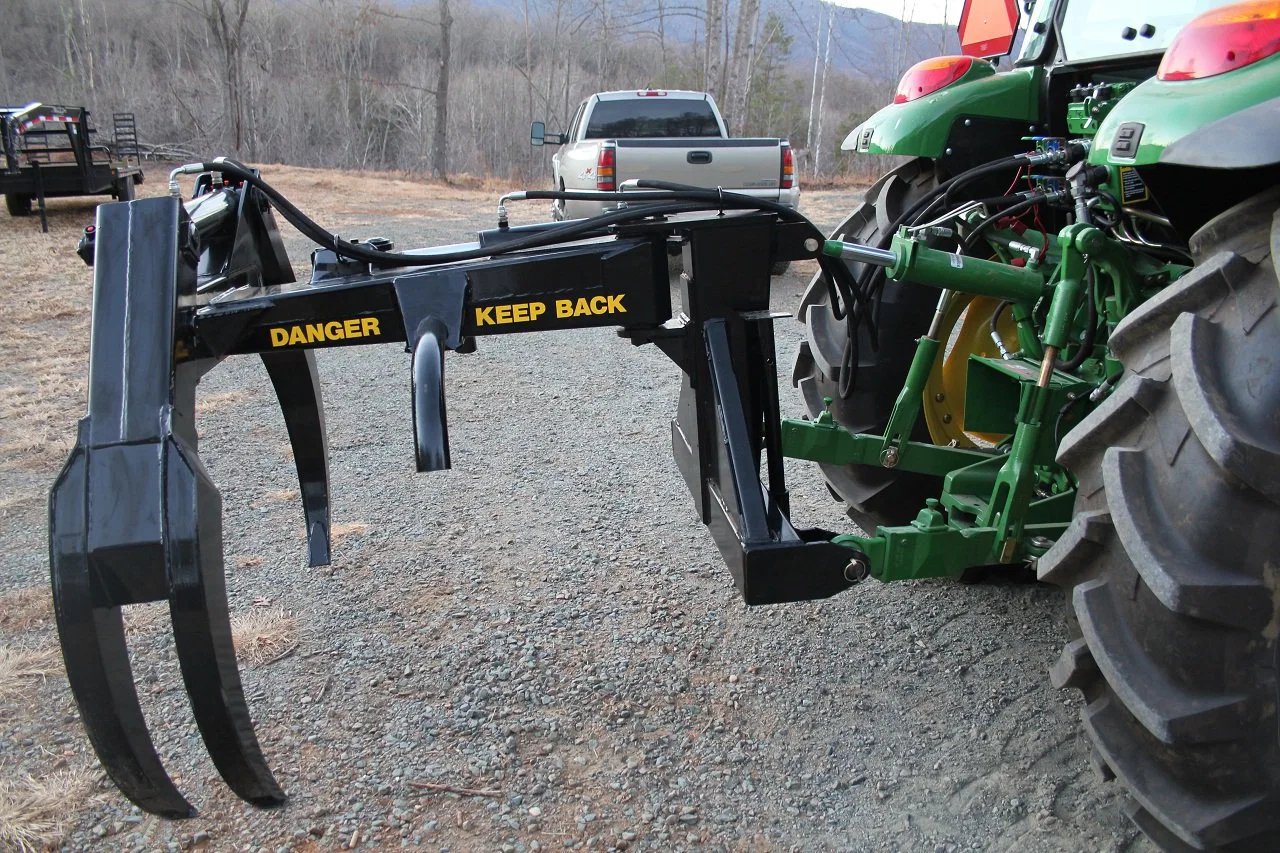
pixel 297 385
pixel 202 628
pixel 97 658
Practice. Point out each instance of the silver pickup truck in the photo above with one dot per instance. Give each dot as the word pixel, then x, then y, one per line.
pixel 661 135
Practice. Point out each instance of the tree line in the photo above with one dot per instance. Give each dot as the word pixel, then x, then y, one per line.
pixel 445 87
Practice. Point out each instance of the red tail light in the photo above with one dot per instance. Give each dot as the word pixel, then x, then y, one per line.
pixel 925 78
pixel 788 177
pixel 605 165
pixel 1223 40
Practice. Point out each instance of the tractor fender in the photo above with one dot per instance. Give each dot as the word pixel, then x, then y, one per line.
pixel 925 127
pixel 1247 139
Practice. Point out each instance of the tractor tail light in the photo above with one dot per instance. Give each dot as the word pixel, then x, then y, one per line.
pixel 1223 40
pixel 788 177
pixel 605 165
pixel 925 78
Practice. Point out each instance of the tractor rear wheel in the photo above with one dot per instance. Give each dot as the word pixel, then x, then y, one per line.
pixel 874 495
pixel 1171 561
pixel 18 204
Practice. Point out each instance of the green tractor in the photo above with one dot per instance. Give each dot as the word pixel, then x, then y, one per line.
pixel 1061 350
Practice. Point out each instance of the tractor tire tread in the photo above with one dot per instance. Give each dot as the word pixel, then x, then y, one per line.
pixel 872 495
pixel 1169 561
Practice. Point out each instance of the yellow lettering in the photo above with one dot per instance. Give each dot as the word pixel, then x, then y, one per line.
pixel 502 313
pixel 564 308
pixel 615 304
pixel 520 312
pixel 598 305
pixel 484 316
pixel 296 336
pixel 369 326
pixel 351 328
pixel 333 331
pixel 315 333
pixel 581 308
pixel 537 309
pixel 279 337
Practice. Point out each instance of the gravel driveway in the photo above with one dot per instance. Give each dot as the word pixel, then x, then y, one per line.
pixel 540 648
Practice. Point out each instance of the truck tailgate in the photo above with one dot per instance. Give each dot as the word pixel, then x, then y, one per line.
pixel 729 163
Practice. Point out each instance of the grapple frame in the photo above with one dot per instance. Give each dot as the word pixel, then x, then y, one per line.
pixel 134 516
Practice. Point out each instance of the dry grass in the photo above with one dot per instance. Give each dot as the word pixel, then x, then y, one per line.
pixel 213 402
pixel 25 608
pixel 263 634
pixel 340 533
pixel 20 669
pixel 33 811
pixel 144 619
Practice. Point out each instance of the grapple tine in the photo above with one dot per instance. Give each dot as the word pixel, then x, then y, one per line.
pixel 97 660
pixel 297 386
pixel 134 516
pixel 202 629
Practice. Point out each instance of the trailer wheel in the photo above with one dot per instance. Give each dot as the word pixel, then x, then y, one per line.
pixel 18 204
pixel 1171 560
pixel 124 188
pixel 874 495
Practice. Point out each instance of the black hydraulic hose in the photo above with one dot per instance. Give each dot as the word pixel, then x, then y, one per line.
pixel 1090 329
pixel 873 277
pixel 1012 210
pixel 836 270
pixel 942 193
pixel 995 317
pixel 570 230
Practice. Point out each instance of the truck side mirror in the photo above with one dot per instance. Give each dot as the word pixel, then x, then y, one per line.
pixel 538 135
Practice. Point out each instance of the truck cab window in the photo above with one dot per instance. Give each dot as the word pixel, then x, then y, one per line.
pixel 651 118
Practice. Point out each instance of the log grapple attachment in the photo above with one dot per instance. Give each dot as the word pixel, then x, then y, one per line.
pixel 178 286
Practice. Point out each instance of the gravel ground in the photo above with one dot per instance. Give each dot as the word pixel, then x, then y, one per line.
pixel 546 630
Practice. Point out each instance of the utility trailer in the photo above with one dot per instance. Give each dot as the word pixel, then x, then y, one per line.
pixel 49 153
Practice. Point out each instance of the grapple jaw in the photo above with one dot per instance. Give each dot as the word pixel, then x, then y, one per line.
pixel 134 516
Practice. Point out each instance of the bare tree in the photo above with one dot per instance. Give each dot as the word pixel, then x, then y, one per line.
pixel 712 69
pixel 225 20
pixel 822 97
pixel 439 144
pixel 741 64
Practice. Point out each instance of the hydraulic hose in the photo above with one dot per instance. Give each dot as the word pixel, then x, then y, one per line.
pixel 680 200
pixel 837 273
pixel 1012 210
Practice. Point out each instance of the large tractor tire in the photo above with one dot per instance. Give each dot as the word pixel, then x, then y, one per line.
pixel 874 495
pixel 1172 562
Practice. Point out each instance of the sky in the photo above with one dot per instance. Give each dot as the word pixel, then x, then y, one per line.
pixel 924 11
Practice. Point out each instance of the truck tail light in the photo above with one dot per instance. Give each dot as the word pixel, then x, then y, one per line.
pixel 605 164
pixel 788 177
pixel 1223 40
pixel 925 78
